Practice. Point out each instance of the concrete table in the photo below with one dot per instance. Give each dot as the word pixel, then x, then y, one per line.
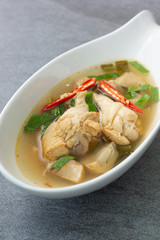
pixel 31 34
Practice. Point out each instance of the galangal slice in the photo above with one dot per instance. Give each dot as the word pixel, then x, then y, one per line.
pixel 102 160
pixel 72 171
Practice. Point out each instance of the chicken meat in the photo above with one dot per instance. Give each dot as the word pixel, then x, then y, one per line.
pixel 73 131
pixel 118 121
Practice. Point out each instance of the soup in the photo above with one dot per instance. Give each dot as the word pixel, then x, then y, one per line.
pixel 97 118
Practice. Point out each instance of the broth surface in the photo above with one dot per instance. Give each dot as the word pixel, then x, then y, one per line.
pixel 29 158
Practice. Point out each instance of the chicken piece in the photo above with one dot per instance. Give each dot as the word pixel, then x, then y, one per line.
pixel 127 80
pixel 103 160
pixel 53 144
pixel 73 131
pixel 119 122
pixel 72 171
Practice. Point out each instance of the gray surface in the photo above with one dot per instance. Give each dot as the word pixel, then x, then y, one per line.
pixel 31 34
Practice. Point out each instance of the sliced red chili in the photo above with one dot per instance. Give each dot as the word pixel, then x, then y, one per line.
pixel 116 95
pixel 84 86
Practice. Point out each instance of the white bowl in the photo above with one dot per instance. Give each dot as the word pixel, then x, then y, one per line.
pixel 138 39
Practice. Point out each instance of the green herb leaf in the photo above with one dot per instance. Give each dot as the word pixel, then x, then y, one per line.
pixel 58 111
pixel 108 67
pixel 122 66
pixel 139 67
pixel 139 88
pixel 130 95
pixel 155 94
pixel 46 125
pixel 61 108
pixel 36 121
pixel 61 161
pixel 72 102
pixel 143 100
pixel 91 106
pixel 105 76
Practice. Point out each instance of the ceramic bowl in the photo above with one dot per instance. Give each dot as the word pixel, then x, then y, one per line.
pixel 138 39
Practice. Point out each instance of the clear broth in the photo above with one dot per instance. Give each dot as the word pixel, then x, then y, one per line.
pixel 29 159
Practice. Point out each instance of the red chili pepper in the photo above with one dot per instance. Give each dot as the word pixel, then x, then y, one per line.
pixel 84 86
pixel 113 93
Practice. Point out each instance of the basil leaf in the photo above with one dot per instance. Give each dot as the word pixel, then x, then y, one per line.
pixel 105 76
pixel 72 102
pixel 91 106
pixel 62 161
pixel 139 67
pixel 155 94
pixel 139 88
pixel 36 121
pixel 61 108
pixel 58 111
pixel 130 95
pixel 143 100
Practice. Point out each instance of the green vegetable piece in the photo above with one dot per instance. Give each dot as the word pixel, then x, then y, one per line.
pixel 108 67
pixel 36 121
pixel 46 125
pixel 58 111
pixel 155 94
pixel 61 108
pixel 125 149
pixel 139 67
pixel 122 66
pixel 62 161
pixel 91 106
pixel 139 88
pixel 72 102
pixel 106 76
pixel 130 95
pixel 143 100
